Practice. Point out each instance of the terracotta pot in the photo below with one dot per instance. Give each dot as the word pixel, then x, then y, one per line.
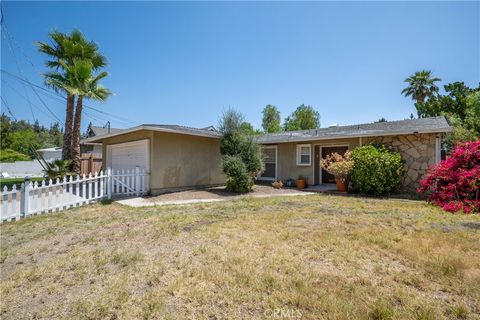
pixel 300 184
pixel 341 184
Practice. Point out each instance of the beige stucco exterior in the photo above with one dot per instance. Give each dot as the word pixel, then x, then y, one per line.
pixel 177 161
pixel 418 152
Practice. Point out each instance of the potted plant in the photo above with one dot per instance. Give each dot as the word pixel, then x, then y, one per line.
pixel 340 167
pixel 301 182
pixel 277 184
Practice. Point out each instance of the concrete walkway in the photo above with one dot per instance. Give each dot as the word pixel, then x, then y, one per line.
pixel 155 201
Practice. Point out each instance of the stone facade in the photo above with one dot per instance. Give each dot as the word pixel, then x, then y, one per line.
pixel 418 152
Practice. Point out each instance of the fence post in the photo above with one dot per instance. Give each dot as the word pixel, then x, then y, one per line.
pixel 90 163
pixel 137 180
pixel 109 183
pixel 25 203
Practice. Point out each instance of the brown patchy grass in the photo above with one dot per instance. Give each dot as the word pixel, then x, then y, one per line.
pixel 315 257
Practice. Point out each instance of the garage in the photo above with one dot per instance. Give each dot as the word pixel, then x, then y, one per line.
pixel 129 155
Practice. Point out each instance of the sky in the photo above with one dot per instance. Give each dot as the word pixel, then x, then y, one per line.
pixel 186 62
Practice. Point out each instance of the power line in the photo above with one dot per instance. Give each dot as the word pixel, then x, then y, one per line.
pixel 26 98
pixel 6 35
pixel 8 108
pixel 57 96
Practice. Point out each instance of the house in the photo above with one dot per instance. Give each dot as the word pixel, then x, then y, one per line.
pixel 295 153
pixel 50 154
pixel 86 146
pixel 177 157
pixel 182 157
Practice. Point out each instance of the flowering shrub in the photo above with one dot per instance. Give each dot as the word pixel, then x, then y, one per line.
pixel 454 184
pixel 338 165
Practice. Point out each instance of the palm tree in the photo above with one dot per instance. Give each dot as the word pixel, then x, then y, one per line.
pixel 84 84
pixel 420 86
pixel 67 48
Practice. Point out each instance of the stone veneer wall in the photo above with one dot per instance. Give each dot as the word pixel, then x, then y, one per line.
pixel 418 151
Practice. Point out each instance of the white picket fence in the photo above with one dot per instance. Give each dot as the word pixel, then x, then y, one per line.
pixel 34 198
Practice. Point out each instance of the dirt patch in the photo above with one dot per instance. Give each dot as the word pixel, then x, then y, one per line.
pixel 220 193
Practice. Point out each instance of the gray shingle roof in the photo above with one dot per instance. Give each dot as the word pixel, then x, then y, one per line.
pixel 209 131
pixel 101 131
pixel 424 125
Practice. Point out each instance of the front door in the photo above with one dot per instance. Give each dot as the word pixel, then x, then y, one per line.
pixel 327 177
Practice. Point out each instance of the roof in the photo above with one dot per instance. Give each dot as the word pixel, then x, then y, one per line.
pixel 410 126
pixel 209 132
pixel 95 131
pixel 50 149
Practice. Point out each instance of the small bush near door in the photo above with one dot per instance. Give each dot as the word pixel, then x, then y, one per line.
pixel 376 170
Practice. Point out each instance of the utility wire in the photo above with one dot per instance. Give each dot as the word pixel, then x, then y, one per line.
pixel 26 98
pixel 55 95
pixel 12 50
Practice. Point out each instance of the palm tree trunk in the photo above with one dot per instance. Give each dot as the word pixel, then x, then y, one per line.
pixel 67 135
pixel 76 136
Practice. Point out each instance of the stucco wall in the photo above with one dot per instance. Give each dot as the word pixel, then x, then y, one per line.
pixel 177 161
pixel 287 157
pixel 418 151
pixel 184 161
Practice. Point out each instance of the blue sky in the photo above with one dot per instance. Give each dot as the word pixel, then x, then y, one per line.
pixel 183 63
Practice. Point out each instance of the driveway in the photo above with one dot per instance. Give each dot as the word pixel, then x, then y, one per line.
pixel 216 194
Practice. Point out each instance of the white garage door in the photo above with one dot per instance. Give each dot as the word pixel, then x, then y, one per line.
pixel 129 155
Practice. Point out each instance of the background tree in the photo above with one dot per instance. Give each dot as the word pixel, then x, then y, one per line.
pixel 64 50
pixel 303 118
pixel 271 119
pixel 459 106
pixel 421 85
pixel 20 137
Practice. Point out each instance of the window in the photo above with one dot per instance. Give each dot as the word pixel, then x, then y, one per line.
pixel 304 154
pixel 270 159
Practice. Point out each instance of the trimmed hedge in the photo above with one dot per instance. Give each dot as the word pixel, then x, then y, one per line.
pixel 376 170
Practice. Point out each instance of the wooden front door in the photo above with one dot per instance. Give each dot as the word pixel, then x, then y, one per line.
pixel 327 177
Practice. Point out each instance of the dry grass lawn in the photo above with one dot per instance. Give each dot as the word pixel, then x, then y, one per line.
pixel 312 257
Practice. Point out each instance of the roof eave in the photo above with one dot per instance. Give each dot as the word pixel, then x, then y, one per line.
pixel 142 127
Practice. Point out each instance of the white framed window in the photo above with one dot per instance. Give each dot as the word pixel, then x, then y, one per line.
pixel 304 154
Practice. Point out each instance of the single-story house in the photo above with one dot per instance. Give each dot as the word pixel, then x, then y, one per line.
pixel 86 146
pixel 50 154
pixel 177 157
pixel 295 153
pixel 182 157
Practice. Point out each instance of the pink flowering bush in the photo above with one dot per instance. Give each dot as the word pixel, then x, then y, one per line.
pixel 454 184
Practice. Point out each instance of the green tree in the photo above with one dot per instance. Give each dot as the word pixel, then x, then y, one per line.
pixel 65 50
pixel 421 85
pixel 303 118
pixel 241 154
pixel 5 131
pixel 25 142
pixel 271 119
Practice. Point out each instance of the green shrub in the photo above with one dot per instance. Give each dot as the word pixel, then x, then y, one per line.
pixel 238 178
pixel 376 170
pixel 242 157
pixel 9 155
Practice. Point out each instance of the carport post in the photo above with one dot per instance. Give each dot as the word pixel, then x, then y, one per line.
pixel 109 183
